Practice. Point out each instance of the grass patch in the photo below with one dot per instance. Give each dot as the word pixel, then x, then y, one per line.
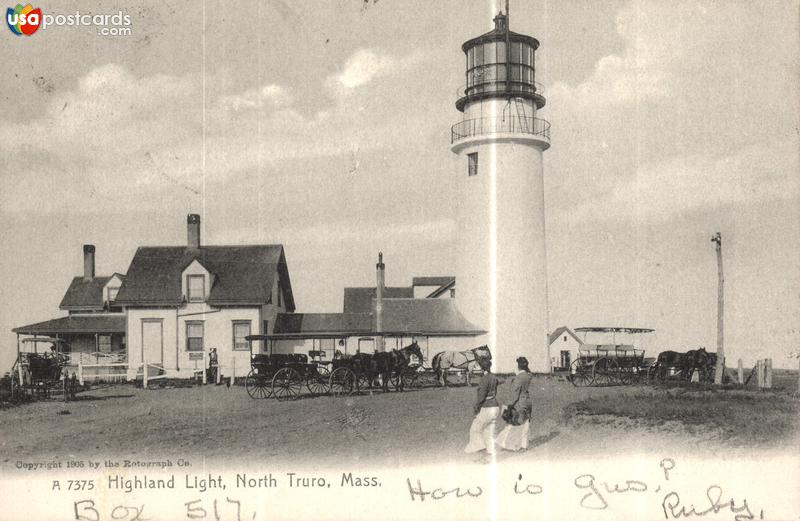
pixel 739 416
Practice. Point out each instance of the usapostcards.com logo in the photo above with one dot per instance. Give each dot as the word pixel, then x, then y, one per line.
pixel 27 20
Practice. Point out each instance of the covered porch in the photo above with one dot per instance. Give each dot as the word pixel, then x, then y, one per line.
pixel 93 344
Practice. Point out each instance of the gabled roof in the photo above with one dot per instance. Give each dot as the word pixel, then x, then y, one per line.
pixel 307 325
pixel 84 294
pixel 432 281
pixel 425 316
pixel 359 300
pixel 560 331
pixel 242 274
pixel 89 323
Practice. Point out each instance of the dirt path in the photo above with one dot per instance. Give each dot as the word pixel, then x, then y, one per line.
pixel 225 425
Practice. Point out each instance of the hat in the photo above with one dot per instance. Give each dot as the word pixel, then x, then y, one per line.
pixel 522 362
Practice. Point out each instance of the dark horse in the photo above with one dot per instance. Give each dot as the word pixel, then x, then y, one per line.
pixel 686 363
pixel 396 364
pixel 386 365
pixel 443 361
pixel 695 360
pixel 667 360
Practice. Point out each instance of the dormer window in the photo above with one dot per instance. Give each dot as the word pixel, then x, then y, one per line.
pixel 112 294
pixel 196 288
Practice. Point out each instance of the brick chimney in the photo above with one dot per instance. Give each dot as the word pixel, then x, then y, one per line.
pixel 88 262
pixel 379 273
pixel 193 230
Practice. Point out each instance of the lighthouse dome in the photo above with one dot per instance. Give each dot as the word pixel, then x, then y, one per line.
pixel 500 63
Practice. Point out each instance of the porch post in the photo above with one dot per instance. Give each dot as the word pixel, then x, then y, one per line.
pixel 177 347
pixel 97 348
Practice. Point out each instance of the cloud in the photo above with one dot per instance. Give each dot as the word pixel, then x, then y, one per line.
pixel 164 135
pixel 271 96
pixel 758 174
pixel 696 111
pixel 365 66
pixel 362 67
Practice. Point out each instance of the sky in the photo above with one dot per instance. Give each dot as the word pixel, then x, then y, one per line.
pixel 324 126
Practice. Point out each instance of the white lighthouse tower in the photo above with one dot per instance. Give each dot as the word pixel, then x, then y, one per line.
pixel 501 277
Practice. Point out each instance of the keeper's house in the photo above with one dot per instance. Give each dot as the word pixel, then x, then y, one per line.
pixel 176 303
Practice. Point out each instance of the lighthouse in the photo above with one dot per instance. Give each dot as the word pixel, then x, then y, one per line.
pixel 501 274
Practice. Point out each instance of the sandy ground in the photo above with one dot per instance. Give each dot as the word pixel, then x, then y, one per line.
pixel 218 424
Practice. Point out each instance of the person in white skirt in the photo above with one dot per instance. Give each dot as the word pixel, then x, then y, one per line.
pixel 514 435
pixel 486 409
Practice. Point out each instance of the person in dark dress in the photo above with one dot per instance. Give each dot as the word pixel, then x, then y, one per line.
pixel 486 409
pixel 514 436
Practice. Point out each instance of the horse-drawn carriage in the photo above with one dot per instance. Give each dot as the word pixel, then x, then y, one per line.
pixel 609 362
pixel 284 375
pixel 43 374
pixel 362 371
pixel 674 365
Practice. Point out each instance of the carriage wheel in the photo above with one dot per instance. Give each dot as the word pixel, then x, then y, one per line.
pixel 257 385
pixel 342 381
pixel 364 382
pixel 580 374
pixel 318 383
pixel 604 371
pixel 413 381
pixel 409 378
pixel 286 384
pixel 624 375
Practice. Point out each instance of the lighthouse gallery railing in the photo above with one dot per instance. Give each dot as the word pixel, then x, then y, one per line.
pixel 509 124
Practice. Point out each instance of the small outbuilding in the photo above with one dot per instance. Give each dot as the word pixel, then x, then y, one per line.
pixel 564 346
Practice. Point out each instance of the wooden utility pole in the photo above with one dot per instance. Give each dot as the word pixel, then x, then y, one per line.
pixel 720 368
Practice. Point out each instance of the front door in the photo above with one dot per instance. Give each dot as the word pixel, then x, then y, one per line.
pixel 152 341
pixel 565 359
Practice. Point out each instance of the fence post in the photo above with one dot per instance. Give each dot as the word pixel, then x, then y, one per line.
pixel 144 372
pixel 768 376
pixel 740 372
pixel 80 372
pixel 760 374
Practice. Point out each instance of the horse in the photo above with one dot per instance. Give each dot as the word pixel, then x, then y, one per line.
pixel 444 360
pixel 386 365
pixel 667 359
pixel 400 360
pixel 694 359
pixel 707 371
